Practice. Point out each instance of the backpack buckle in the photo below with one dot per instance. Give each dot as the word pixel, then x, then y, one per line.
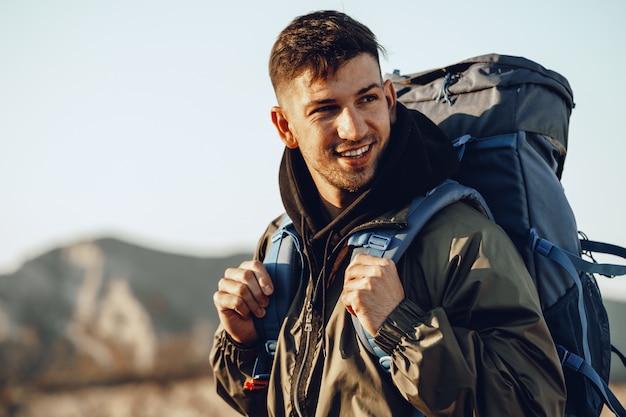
pixel 270 347
pixel 377 242
pixel 263 364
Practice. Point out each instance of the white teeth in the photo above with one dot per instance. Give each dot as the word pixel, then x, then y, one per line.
pixel 356 152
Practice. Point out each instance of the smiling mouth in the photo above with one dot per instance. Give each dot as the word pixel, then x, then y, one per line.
pixel 356 153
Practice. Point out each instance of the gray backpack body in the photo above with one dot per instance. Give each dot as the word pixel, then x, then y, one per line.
pixel 510 118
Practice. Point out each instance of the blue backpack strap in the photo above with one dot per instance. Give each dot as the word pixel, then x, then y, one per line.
pixel 574 362
pixel 284 251
pixel 574 264
pixel 553 252
pixel 284 247
pixel 392 243
pixel 546 247
pixel 608 270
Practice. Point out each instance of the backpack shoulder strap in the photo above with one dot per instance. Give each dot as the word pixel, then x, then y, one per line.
pixel 281 261
pixel 392 243
pixel 284 251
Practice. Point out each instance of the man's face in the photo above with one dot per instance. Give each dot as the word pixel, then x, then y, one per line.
pixel 341 125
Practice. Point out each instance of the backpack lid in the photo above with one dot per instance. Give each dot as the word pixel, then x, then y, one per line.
pixel 491 95
pixel 502 67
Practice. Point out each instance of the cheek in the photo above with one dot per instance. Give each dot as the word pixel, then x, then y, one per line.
pixel 384 129
pixel 318 136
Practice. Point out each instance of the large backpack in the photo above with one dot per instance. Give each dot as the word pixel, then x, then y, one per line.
pixel 509 118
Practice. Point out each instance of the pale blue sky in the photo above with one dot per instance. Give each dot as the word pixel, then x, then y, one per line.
pixel 149 120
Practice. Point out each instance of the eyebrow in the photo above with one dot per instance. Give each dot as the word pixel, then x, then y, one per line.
pixel 369 87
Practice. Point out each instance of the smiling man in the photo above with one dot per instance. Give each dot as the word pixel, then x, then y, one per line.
pixel 458 314
pixel 341 125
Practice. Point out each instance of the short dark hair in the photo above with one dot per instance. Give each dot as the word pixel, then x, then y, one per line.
pixel 322 42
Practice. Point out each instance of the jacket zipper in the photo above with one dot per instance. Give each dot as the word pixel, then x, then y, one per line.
pixel 308 327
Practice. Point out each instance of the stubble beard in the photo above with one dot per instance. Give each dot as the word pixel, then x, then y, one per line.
pixel 353 182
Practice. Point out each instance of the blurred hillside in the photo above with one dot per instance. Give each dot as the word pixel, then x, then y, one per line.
pixel 108 328
pixel 101 317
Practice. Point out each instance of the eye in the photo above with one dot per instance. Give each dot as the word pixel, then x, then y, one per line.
pixel 324 109
pixel 369 98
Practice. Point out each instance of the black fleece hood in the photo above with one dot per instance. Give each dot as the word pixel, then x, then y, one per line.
pixel 418 156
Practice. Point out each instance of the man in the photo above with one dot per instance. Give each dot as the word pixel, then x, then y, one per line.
pixel 458 314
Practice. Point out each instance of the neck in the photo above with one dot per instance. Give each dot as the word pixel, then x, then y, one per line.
pixel 338 202
pixel 332 210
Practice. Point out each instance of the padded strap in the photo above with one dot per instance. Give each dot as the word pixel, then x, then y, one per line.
pixel 391 243
pixel 279 261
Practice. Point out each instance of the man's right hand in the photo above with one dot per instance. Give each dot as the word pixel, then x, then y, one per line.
pixel 242 294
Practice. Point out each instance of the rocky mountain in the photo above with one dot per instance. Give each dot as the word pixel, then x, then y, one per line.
pixel 105 312
pixel 107 327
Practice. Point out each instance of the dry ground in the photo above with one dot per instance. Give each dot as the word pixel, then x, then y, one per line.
pixel 620 392
pixel 186 398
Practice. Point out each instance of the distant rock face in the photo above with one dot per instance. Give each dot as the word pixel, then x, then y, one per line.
pixel 106 311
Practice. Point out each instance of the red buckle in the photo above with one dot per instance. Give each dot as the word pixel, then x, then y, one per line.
pixel 255 384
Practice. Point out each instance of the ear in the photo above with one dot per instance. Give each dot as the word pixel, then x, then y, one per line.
pixel 279 119
pixel 390 95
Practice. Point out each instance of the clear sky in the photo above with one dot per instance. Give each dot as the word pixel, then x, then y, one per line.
pixel 148 120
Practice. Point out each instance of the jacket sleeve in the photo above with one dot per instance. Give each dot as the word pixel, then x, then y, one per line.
pixel 482 346
pixel 232 367
pixel 233 364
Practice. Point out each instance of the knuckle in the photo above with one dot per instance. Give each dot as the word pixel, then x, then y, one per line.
pixel 216 298
pixel 221 284
pixel 241 307
pixel 240 290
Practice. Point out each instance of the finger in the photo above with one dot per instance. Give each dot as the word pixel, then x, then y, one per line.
pixel 365 259
pixel 235 317
pixel 347 304
pixel 239 296
pixel 363 265
pixel 226 303
pixel 247 276
pixel 361 271
pixel 262 276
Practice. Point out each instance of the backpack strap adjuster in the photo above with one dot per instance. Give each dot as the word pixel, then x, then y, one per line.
pixel 270 347
pixel 378 242
pixel 263 365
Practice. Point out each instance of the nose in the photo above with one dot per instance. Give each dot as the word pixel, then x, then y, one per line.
pixel 351 124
